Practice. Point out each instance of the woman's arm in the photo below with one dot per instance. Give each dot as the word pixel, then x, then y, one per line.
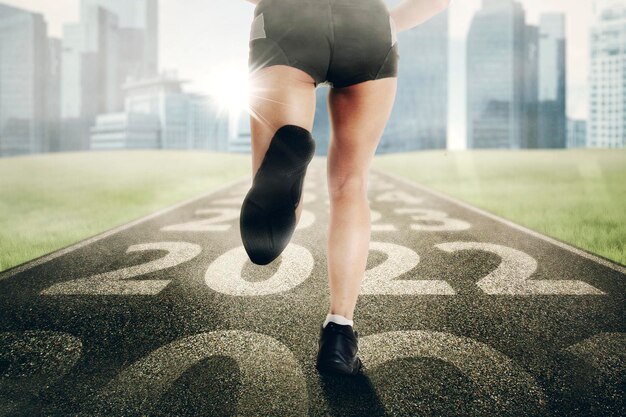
pixel 411 13
pixel 254 1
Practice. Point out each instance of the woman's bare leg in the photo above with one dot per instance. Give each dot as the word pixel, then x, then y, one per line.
pixel 279 95
pixel 359 114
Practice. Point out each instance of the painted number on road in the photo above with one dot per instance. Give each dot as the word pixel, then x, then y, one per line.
pixel 427 217
pixel 505 386
pixel 214 224
pixel 118 282
pixel 511 277
pixel 380 279
pixel 399 197
pixel 224 274
pixel 272 382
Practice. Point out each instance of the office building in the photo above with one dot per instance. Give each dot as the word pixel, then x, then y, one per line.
pixel 53 95
pixel 496 59
pixel 89 82
pixel 241 141
pixel 159 114
pixel 552 121
pixel 138 33
pixel 23 80
pixel 321 124
pixel 576 133
pixel 607 94
pixel 115 131
pixel 419 118
pixel 530 99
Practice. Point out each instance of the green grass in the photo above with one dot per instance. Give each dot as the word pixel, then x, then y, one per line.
pixel 51 201
pixel 578 196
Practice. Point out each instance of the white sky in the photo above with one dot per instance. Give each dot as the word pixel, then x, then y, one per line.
pixel 200 37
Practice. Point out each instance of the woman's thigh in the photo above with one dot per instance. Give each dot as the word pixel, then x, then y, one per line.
pixel 279 95
pixel 359 114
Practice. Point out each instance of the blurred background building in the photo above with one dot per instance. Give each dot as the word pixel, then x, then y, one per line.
pixel 516 79
pixel 25 80
pixel 576 133
pixel 607 93
pixel 551 116
pixel 99 87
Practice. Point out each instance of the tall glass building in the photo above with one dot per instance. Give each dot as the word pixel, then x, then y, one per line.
pixel 89 81
pixel 496 60
pixel 419 119
pixel 321 126
pixel 552 121
pixel 138 27
pixel 607 99
pixel 23 80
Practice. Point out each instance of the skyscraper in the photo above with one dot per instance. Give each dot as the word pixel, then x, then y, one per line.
pixel 321 125
pixel 607 94
pixel 576 133
pixel 552 121
pixel 23 78
pixel 530 105
pixel 496 58
pixel 138 33
pixel 89 82
pixel 53 95
pixel 419 118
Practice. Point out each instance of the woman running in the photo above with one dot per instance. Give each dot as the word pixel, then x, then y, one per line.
pixel 295 45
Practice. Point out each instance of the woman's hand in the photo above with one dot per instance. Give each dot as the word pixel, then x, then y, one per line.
pixel 411 13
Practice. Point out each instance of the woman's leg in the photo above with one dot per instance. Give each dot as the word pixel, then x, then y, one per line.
pixel 279 95
pixel 358 115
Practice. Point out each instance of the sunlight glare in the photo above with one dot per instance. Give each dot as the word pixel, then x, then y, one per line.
pixel 229 85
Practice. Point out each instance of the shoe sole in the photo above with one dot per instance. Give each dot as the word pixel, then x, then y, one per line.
pixel 268 212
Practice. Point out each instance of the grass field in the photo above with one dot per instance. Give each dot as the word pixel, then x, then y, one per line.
pixel 51 201
pixel 578 196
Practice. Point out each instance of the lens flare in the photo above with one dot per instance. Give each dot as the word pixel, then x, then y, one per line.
pixel 229 86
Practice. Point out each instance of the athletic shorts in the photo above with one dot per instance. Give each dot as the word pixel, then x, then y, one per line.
pixel 337 42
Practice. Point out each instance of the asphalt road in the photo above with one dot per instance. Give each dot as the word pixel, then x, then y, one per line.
pixel 461 313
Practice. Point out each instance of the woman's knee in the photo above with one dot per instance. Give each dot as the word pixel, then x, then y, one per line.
pixel 348 185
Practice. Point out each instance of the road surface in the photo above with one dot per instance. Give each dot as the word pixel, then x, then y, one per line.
pixel 460 313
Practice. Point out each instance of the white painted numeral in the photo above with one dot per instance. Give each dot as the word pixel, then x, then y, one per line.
pixel 380 279
pixel 229 201
pixel 374 217
pixel 272 382
pixel 511 276
pixel 505 386
pixel 381 186
pixel 307 219
pixel 446 224
pixel 207 225
pixel 118 282
pixel 224 273
pixel 308 198
pixel 399 196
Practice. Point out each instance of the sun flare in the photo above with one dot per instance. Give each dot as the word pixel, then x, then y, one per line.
pixel 229 86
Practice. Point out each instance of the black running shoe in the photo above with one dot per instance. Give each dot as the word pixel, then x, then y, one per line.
pixel 338 347
pixel 268 212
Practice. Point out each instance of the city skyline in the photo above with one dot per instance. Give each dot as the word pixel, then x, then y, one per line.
pixel 232 23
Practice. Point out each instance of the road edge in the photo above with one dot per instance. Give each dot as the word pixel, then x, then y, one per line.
pixel 578 251
pixel 63 251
